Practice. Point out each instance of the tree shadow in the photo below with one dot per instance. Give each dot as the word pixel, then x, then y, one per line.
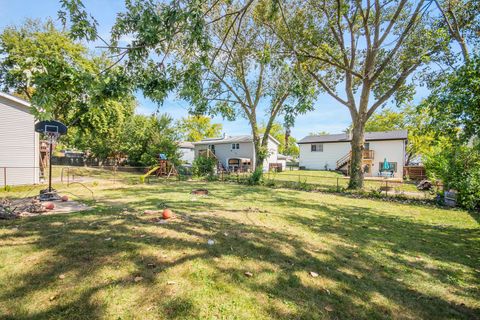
pixel 80 247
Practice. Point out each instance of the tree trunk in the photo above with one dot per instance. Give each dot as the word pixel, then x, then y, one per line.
pixel 357 144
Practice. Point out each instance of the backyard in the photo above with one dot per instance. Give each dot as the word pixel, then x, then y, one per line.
pixel 275 253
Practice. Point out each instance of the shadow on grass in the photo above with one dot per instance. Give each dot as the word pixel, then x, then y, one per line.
pixel 80 248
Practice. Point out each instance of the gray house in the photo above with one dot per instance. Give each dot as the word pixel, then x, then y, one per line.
pixel 19 143
pixel 236 153
pixel 187 152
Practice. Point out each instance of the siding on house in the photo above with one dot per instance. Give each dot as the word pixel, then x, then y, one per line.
pixel 19 143
pixel 224 150
pixel 393 150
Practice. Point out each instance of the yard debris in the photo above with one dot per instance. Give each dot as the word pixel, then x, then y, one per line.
pixel 151 265
pixel 61 277
pixel 210 242
pixel 328 309
pixel 137 279
pixel 425 185
pixel 171 283
pixel 248 274
pixel 313 274
pixel 108 239
pixel 53 297
pixel 149 212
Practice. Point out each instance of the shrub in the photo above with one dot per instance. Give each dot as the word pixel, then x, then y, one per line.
pixel 458 166
pixel 203 166
pixel 256 177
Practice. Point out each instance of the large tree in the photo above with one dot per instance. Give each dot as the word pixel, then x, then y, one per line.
pixel 218 52
pixel 362 53
pixel 246 73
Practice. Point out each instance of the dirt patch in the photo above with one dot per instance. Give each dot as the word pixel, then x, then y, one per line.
pixel 26 207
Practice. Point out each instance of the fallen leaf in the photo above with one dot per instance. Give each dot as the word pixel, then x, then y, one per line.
pixel 313 274
pixel 137 279
pixel 248 274
pixel 328 308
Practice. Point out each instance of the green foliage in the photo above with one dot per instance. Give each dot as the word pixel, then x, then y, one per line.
pixel 198 127
pixel 145 137
pixel 458 166
pixel 256 177
pixel 203 166
pixel 454 106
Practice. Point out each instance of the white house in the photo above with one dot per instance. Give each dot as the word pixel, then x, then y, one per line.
pixel 332 152
pixel 187 151
pixel 19 143
pixel 237 153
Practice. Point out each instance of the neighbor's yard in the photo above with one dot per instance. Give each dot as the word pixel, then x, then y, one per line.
pixel 374 259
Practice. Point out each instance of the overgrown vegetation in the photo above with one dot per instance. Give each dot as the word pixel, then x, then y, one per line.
pixel 204 166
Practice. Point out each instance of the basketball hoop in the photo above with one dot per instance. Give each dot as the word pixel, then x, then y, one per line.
pixel 53 130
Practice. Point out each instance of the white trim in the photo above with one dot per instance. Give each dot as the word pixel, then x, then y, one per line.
pixel 15 99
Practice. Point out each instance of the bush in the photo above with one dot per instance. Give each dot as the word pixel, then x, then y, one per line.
pixel 203 166
pixel 458 166
pixel 256 177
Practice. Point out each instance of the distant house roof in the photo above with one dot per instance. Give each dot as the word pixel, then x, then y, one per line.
pixel 186 145
pixel 345 137
pixel 230 139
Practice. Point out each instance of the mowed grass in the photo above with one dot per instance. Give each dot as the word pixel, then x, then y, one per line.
pixel 374 259
pixel 330 179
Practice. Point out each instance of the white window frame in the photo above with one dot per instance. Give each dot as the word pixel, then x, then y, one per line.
pixel 235 146
pixel 318 147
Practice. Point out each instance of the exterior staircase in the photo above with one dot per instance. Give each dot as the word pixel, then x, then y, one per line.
pixel 343 164
pixel 209 154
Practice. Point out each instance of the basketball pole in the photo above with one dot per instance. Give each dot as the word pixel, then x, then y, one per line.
pixel 50 167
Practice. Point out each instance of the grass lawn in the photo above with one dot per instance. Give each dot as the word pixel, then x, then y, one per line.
pixel 328 180
pixel 372 259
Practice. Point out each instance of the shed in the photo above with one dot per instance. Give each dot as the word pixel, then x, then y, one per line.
pixel 19 143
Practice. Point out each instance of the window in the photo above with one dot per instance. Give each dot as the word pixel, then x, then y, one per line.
pixel 235 146
pixel 317 147
pixel 392 165
pixel 366 146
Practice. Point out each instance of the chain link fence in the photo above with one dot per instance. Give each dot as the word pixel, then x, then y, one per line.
pixel 295 179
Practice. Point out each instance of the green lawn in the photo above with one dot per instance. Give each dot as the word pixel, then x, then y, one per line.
pixel 329 179
pixel 374 259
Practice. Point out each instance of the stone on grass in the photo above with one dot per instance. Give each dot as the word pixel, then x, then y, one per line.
pixel 248 274
pixel 313 274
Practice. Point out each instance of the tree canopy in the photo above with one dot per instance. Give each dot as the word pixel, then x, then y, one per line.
pixel 195 128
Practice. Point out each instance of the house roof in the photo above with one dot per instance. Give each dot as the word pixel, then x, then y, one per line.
pixel 230 139
pixel 15 99
pixel 186 145
pixel 345 137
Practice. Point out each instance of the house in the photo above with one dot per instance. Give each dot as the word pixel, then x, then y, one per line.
pixel 187 152
pixel 236 153
pixel 19 143
pixel 333 152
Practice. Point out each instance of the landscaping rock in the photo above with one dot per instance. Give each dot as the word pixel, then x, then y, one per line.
pixel 313 274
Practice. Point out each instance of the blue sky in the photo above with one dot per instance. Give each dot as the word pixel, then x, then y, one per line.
pixel 328 116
